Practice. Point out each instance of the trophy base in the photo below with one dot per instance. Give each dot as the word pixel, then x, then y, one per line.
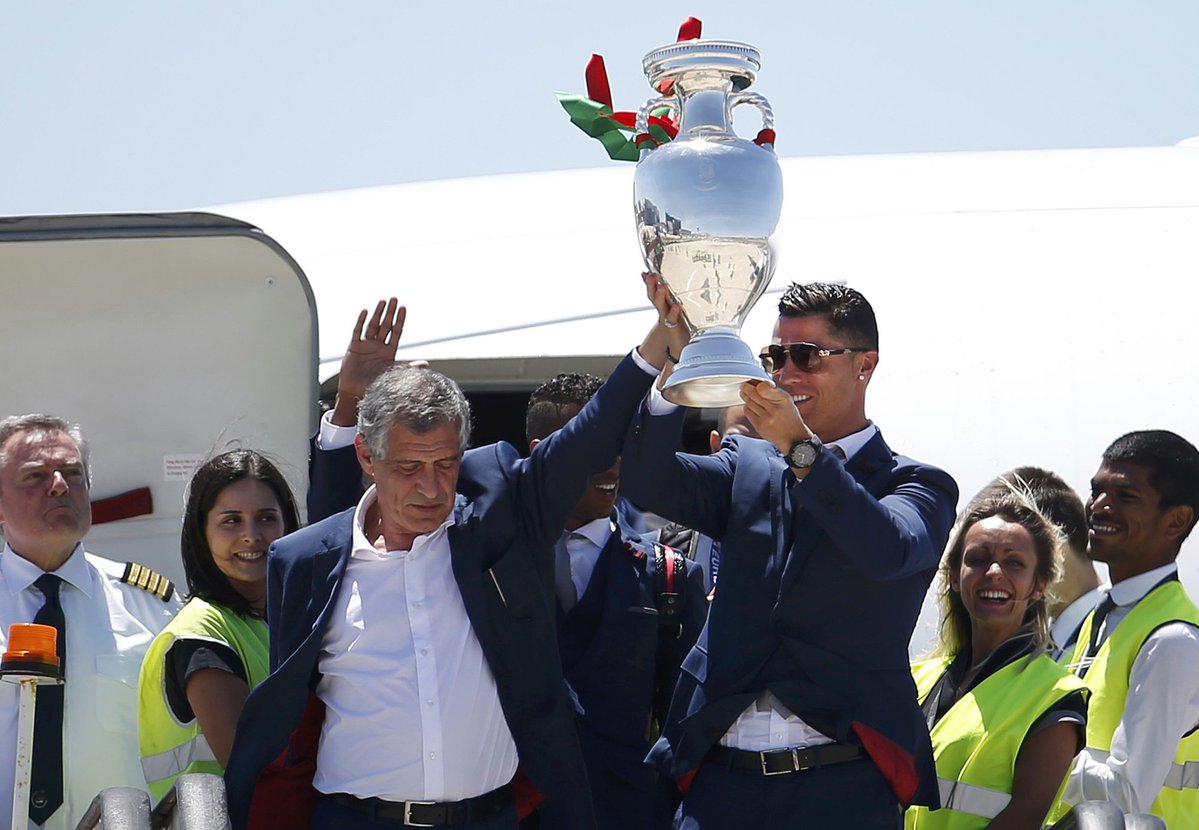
pixel 711 370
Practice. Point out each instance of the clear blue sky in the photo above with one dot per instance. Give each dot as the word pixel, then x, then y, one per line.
pixel 140 105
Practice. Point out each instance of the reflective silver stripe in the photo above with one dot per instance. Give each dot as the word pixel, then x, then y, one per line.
pixel 967 798
pixel 174 761
pixel 1180 777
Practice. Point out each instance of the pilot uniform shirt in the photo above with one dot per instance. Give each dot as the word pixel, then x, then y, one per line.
pixel 109 627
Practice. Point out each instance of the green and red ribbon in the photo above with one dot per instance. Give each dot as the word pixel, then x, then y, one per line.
pixel 594 114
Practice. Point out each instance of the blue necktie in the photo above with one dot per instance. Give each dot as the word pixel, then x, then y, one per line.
pixel 45 791
pixel 1105 607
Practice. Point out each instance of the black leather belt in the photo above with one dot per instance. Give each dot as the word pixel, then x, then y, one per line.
pixel 783 761
pixel 429 813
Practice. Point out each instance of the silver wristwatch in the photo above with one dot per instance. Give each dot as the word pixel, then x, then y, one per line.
pixel 804 453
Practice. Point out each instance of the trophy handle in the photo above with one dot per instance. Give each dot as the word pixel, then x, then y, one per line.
pixel 763 107
pixel 642 123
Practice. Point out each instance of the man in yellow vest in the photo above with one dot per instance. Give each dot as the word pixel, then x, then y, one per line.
pixel 1139 650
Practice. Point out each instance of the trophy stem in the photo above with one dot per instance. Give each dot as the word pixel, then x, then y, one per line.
pixel 711 370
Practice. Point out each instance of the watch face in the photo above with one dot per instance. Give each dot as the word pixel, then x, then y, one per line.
pixel 803 454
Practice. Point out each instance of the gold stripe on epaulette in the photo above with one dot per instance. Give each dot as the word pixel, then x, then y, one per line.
pixel 148 580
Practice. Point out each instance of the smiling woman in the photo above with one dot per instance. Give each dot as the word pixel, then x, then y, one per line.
pixel 199 670
pixel 1005 720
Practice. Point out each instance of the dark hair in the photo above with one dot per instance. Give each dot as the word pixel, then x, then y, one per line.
pixel 847 311
pixel 1017 506
pixel 1172 462
pixel 1053 496
pixel 204 578
pixel 550 401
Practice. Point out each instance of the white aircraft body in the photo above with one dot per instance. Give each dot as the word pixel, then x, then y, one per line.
pixel 1032 307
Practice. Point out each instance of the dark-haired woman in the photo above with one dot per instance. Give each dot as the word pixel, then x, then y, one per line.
pixel 1005 719
pixel 199 670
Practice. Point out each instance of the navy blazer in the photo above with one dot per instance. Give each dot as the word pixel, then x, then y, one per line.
pixel 509 513
pixel 622 673
pixel 821 582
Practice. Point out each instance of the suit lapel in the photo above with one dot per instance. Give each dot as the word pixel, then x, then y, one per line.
pixel 465 560
pixel 869 468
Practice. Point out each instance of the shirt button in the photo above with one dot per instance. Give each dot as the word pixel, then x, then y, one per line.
pixel 432 756
pixel 429 701
pixel 417 604
pixel 424 652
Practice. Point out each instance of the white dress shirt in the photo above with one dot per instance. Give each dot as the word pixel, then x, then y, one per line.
pixel 1162 706
pixel 412 710
pixel 109 627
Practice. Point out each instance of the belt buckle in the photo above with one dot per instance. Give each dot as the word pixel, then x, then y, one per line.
pixel 795 767
pixel 408 822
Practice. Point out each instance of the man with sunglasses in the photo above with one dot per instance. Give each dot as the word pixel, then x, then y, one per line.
pixel 796 706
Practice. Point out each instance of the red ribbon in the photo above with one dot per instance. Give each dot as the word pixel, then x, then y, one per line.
pixel 597 81
pixel 691 29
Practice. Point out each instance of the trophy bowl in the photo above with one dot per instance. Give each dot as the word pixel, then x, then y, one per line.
pixel 706 204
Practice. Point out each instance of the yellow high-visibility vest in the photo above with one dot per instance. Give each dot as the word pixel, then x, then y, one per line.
pixel 977 741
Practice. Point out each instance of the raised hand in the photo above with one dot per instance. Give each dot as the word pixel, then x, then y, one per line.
pixel 371 352
pixel 665 341
pixel 773 414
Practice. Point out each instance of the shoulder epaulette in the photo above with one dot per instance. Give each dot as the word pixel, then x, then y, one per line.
pixel 139 576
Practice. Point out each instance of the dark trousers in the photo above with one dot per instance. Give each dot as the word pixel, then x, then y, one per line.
pixel 329 815
pixel 848 796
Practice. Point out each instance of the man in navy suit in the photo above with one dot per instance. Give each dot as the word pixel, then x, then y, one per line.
pixel 414 661
pixel 628 610
pixel 796 708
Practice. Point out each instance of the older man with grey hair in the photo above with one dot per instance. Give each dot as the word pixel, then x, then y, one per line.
pixel 106 613
pixel 415 670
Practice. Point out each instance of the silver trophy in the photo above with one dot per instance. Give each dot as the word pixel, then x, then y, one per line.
pixel 706 205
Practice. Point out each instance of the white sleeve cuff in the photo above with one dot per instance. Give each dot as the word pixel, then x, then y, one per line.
pixel 333 437
pixel 658 405
pixel 645 365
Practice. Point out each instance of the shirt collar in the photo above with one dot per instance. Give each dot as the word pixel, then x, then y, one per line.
pixel 362 547
pixel 596 531
pixel 851 444
pixel 1071 617
pixel 1134 589
pixel 20 573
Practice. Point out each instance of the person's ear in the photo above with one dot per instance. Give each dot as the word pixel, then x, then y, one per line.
pixel 867 361
pixel 1179 519
pixel 364 455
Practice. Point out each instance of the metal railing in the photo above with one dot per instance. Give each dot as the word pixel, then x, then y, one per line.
pixel 1100 815
pixel 196 802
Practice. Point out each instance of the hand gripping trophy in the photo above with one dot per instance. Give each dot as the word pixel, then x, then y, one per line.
pixel 706 201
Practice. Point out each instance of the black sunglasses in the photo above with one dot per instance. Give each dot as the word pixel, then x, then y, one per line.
pixel 807 357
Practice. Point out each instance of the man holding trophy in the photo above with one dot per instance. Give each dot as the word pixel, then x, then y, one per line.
pixel 796 707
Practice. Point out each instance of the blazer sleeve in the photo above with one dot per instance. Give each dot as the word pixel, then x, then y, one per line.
pixel 889 536
pixel 334 481
pixel 692 490
pixel 552 479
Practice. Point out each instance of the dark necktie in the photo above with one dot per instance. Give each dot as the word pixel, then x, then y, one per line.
pixel 564 584
pixel 45 791
pixel 1105 607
